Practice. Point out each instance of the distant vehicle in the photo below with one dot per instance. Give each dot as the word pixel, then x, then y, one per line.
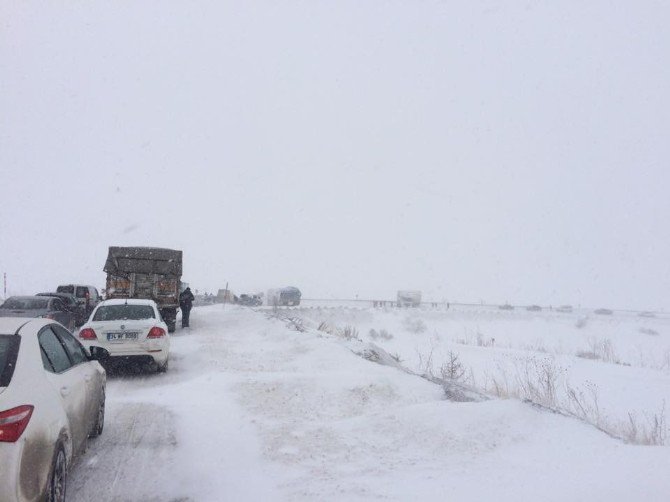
pixel 130 330
pixel 226 296
pixel 201 300
pixel 533 308
pixel 87 296
pixel 48 307
pixel 603 312
pixel 506 306
pixel 71 304
pixel 564 308
pixel 146 273
pixel 52 398
pixel 647 314
pixel 250 300
pixel 284 297
pixel 409 298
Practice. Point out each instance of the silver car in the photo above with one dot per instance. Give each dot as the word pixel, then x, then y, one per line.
pixel 39 306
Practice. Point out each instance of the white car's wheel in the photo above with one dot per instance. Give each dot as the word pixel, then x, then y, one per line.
pixel 58 481
pixel 100 420
pixel 163 368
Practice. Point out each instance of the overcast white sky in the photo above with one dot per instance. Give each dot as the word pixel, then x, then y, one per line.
pixel 497 151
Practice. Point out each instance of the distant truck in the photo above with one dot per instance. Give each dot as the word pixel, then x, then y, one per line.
pixel 409 298
pixel 148 273
pixel 283 297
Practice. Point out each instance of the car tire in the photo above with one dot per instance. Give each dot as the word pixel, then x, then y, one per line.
pixel 100 419
pixel 162 368
pixel 58 478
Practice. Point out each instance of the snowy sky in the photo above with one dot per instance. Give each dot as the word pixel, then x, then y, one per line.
pixel 477 150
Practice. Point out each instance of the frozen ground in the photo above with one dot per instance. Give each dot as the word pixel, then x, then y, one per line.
pixel 253 410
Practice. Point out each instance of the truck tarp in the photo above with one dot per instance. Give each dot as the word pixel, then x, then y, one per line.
pixel 123 261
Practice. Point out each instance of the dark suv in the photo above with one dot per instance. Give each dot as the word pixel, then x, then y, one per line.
pixel 87 296
pixel 72 305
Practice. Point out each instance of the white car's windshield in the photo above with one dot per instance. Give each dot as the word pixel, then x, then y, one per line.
pixel 124 312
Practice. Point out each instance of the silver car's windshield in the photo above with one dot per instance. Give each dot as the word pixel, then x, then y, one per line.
pixel 25 303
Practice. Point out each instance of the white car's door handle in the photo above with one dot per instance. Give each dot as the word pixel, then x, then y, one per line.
pixel 64 391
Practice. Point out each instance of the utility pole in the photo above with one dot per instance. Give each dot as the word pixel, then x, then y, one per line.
pixel 225 296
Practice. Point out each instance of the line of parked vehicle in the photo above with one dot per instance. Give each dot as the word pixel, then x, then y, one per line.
pixel 52 382
pixel 70 305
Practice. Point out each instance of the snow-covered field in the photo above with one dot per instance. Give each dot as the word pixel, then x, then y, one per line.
pixel 254 410
pixel 624 358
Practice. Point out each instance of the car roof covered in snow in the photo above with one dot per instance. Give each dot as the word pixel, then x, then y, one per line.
pixel 10 325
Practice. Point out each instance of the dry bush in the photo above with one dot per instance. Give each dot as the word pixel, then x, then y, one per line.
pixel 296 323
pixel 414 325
pixel 480 340
pixel 382 333
pixel 452 369
pixel 581 322
pixel 483 341
pixel 584 404
pixel 665 364
pixel 536 380
pixel 385 335
pixel 500 388
pixel 531 379
pixel 349 333
pixel 602 349
pixel 652 431
pixel 426 363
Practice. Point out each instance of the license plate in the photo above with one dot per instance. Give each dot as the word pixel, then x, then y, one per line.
pixel 120 336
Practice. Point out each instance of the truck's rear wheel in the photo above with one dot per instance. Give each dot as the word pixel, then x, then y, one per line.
pixel 169 315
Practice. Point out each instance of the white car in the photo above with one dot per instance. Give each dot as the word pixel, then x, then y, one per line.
pixel 52 398
pixel 130 330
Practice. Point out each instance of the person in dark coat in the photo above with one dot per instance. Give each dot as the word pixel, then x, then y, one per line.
pixel 185 303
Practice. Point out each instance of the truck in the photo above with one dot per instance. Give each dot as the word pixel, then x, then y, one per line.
pixel 409 298
pixel 287 296
pixel 147 273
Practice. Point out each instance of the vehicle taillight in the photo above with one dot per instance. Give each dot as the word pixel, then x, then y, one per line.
pixel 87 334
pixel 156 332
pixel 13 422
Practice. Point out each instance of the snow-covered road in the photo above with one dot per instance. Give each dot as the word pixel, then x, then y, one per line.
pixel 251 410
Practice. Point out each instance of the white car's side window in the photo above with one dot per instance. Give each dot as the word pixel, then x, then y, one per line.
pixel 53 352
pixel 72 346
